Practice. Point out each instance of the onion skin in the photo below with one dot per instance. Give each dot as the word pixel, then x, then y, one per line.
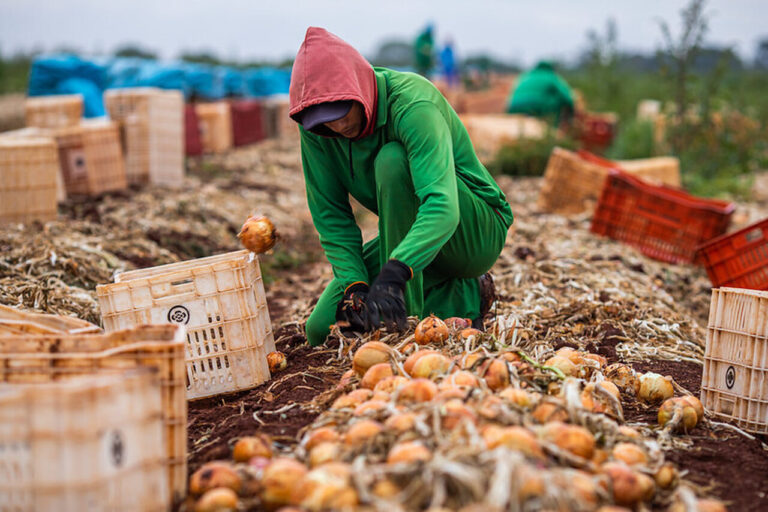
pixel 516 438
pixel 276 361
pixel 252 446
pixel 412 451
pixel 323 453
pixel 368 406
pixel 455 413
pixel 352 399
pixel 220 499
pixel 430 366
pixel 696 404
pixel 411 361
pixel 418 390
pixel 375 374
pixel 666 477
pixel 402 422
pixel 629 487
pixel 519 397
pixel 280 480
pixel 678 415
pixel 212 475
pixel 654 388
pixel 458 324
pixel 320 435
pixel 362 431
pixel 390 384
pixel 431 330
pixel 574 439
pixel 623 376
pixel 497 374
pixel 564 364
pixel 326 487
pixel 258 234
pixel 371 353
pixel 630 454
pixel 546 412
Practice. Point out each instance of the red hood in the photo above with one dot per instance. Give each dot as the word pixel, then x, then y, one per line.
pixel 328 69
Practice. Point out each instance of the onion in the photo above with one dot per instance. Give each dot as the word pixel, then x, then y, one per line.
pixel 464 334
pixel 512 357
pixel 381 396
pixel 574 439
pixel 571 354
pixel 390 384
pixel 346 379
pixel 468 361
pixel 408 452
pixel 252 446
pixel 497 374
pixel 629 432
pixel 402 422
pixel 374 374
pixel 431 330
pixel 596 358
pixel 413 358
pixel 666 476
pixel 221 499
pixel 593 398
pixel 352 399
pixel 547 411
pixel 490 407
pixel 371 353
pixel 519 397
pixel 630 454
pixel 563 364
pixel 362 432
pixel 326 487
pixel 320 435
pixel 599 456
pixel 417 390
pixel 654 388
pixel 629 487
pixel 580 486
pixel 430 366
pixel 677 415
pixel 530 483
pixel 258 234
pixel 695 403
pixel 212 475
pixel 461 378
pixel 454 413
pixel 386 489
pixel 446 392
pixel 516 438
pixel 368 406
pixel 457 324
pixel 280 480
pixel 276 361
pixel 623 376
pixel 323 453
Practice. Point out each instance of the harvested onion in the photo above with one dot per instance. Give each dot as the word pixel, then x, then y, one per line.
pixel 375 374
pixel 654 388
pixel 371 353
pixel 629 487
pixel 630 454
pixel 320 435
pixel 258 234
pixel 327 487
pixel 677 415
pixel 221 499
pixel 430 366
pixel 323 453
pixel 280 480
pixel 418 390
pixel 407 452
pixel 457 323
pixel 431 330
pixel 362 432
pixel 212 475
pixel 252 446
pixel 572 438
pixel 276 361
pixel 516 438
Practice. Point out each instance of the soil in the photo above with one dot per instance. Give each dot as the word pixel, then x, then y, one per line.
pixel 215 424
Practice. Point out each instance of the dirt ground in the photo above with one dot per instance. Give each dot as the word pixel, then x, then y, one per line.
pixel 55 268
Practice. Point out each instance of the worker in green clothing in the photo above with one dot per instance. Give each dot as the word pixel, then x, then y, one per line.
pixel 542 93
pixel 393 142
pixel 423 49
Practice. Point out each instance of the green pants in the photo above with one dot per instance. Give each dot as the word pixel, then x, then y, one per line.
pixel 446 287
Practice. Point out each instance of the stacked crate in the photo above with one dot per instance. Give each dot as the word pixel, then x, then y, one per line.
pixel 29 170
pixel 53 111
pixel 193 146
pixel 152 131
pixel 220 300
pixel 277 122
pixel 247 121
pixel 14 321
pixel 215 126
pixel 90 443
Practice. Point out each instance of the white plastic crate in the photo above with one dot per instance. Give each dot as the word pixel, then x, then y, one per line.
pixel 220 300
pixel 54 111
pixel 734 384
pixel 87 444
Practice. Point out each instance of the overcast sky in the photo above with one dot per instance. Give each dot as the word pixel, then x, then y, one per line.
pixel 521 30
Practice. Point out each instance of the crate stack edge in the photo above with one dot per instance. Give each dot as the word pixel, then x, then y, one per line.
pixel 734 383
pixel 221 302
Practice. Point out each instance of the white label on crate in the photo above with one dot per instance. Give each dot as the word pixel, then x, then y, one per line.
pixel 178 315
pixel 730 377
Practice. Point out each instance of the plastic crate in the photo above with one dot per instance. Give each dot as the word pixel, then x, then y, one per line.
pixel 665 224
pixel 220 300
pixel 595 131
pixel 42 358
pixel 734 383
pixel 573 181
pixel 152 133
pixel 192 144
pixel 739 259
pixel 247 122
pixel 91 157
pixel 90 443
pixel 29 169
pixel 54 111
pixel 15 321
pixel 215 122
pixel 277 122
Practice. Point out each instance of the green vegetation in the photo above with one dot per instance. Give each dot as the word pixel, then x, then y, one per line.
pixel 528 157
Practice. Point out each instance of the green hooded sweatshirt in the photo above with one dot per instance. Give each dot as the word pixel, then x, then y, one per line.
pixel 541 92
pixel 401 107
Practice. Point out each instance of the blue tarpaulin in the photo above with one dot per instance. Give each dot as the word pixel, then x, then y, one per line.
pixel 267 81
pixel 232 81
pixel 69 74
pixel 203 82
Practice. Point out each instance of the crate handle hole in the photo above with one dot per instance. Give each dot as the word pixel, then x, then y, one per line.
pixel 182 282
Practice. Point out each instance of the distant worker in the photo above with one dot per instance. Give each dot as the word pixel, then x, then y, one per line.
pixel 542 93
pixel 448 63
pixel 423 51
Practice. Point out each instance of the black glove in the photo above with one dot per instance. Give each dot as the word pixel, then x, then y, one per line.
pixel 351 312
pixel 386 301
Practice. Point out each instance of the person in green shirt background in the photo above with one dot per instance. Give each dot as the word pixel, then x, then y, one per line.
pixel 423 49
pixel 391 141
pixel 542 93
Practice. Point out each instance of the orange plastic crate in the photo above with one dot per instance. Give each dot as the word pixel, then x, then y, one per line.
pixel 664 223
pixel 740 259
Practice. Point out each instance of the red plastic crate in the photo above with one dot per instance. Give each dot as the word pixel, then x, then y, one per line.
pixel 739 259
pixel 247 121
pixel 596 131
pixel 664 223
pixel 192 143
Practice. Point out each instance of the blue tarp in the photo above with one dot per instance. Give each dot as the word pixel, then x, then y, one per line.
pixel 203 82
pixel 267 81
pixel 232 81
pixel 68 74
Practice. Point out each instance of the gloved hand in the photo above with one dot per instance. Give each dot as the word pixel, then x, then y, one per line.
pixel 351 312
pixel 386 300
